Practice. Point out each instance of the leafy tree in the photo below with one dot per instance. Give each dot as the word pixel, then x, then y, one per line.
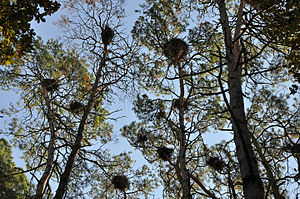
pixel 15 31
pixel 13 183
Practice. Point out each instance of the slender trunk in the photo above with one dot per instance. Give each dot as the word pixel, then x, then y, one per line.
pixel 252 183
pixel 186 188
pixel 50 159
pixel 64 178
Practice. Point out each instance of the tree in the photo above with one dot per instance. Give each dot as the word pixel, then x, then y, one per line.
pixel 15 31
pixel 201 68
pixel 63 124
pixel 245 56
pixel 13 183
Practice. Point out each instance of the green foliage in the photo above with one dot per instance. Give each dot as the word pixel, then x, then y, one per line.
pixel 15 31
pixel 280 26
pixel 13 184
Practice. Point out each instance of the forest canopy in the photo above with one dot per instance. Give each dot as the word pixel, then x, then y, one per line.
pixel 213 86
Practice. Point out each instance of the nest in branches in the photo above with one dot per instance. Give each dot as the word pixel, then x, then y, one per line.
pixel 215 163
pixel 175 50
pixel 141 138
pixel 76 107
pixel 107 35
pixel 260 4
pixel 176 104
pixel 160 114
pixel 296 148
pixel 292 148
pixel 120 182
pixel 50 84
pixel 164 153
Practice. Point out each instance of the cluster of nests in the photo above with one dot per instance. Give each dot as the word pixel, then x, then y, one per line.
pixel 107 35
pixel 175 50
pixel 50 85
pixel 215 163
pixel 120 182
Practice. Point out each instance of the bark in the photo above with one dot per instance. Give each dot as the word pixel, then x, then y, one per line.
pixel 64 178
pixel 50 159
pixel 185 180
pixel 252 183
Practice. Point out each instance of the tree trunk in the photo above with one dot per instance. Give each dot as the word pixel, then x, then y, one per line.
pixel 185 180
pixel 64 178
pixel 50 159
pixel 252 183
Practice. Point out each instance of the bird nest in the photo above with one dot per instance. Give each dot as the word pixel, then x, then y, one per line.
pixel 120 182
pixel 50 84
pixel 164 153
pixel 76 107
pixel 215 163
pixel 175 50
pixel 260 4
pixel 292 148
pixel 107 35
pixel 141 138
pixel 176 104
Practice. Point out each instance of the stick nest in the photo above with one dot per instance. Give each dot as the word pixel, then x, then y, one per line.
pixel 107 35
pixel 120 182
pixel 292 148
pixel 141 138
pixel 215 163
pixel 76 107
pixel 50 84
pixel 164 153
pixel 176 50
pixel 260 4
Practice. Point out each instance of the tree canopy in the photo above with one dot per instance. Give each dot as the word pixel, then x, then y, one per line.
pixel 215 93
pixel 13 183
pixel 15 29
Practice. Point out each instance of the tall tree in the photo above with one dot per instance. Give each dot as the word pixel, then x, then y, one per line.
pixel 13 183
pixel 239 63
pixel 63 95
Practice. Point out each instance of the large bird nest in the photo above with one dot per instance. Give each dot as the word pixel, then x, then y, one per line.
pixel 164 153
pixel 215 163
pixel 261 4
pixel 176 104
pixel 107 35
pixel 175 50
pixel 50 84
pixel 120 182
pixel 76 107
